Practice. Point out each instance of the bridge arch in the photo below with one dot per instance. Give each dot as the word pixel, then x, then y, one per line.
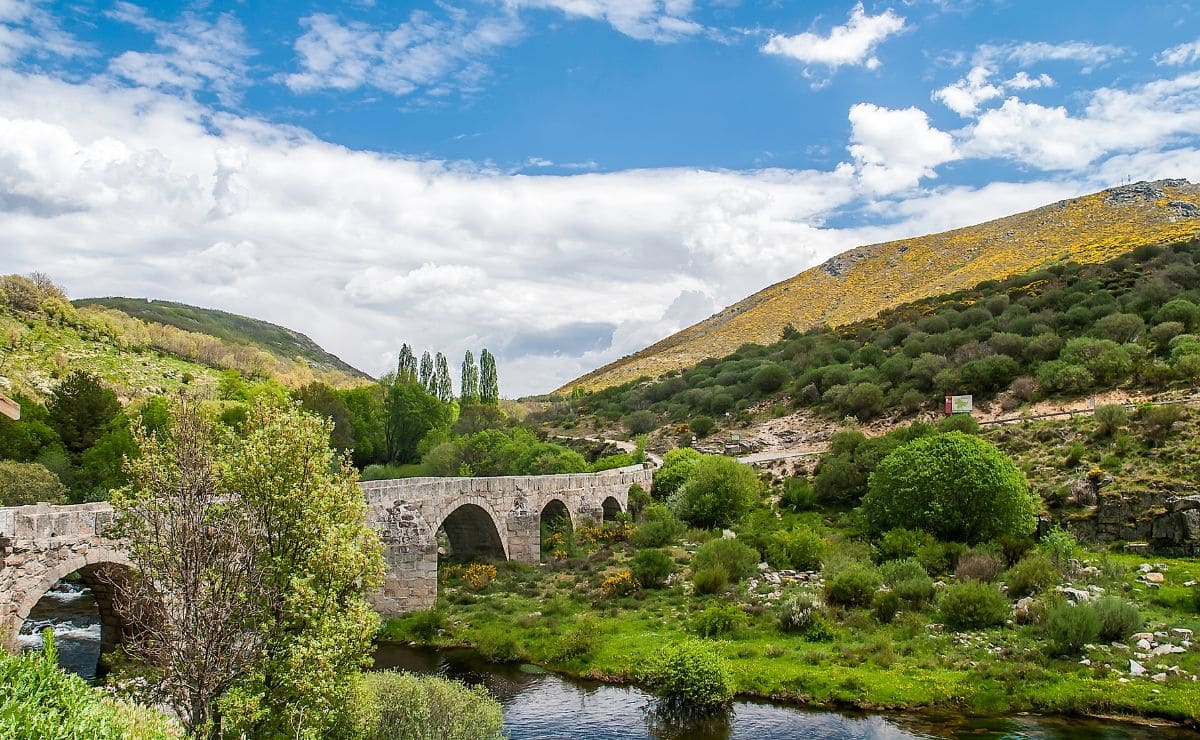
pixel 611 507
pixel 553 514
pixel 474 532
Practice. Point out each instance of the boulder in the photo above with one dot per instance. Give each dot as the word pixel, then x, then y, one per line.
pixel 1136 668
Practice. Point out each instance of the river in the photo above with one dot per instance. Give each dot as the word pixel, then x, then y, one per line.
pixel 539 705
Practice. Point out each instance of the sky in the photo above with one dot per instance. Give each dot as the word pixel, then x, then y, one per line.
pixel 561 181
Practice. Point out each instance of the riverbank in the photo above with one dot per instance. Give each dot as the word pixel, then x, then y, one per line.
pixel 557 616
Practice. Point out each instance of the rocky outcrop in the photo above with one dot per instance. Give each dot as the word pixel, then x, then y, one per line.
pixel 1168 522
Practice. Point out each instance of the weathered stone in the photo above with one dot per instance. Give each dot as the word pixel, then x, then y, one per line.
pixel 1136 668
pixel 1181 632
pixel 1154 577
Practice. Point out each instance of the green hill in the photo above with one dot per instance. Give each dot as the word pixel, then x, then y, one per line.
pixel 229 327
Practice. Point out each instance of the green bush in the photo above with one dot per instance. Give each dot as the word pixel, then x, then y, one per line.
pixel 894 571
pixel 40 701
pixel 29 483
pixel 964 423
pixel 676 466
pixel 499 645
pixel 689 673
pixel 702 426
pixel 1071 626
pixel 973 605
pixel 1110 419
pixel 651 567
pixel 425 625
pixel 718 620
pixel 718 492
pixel 738 560
pixel 915 591
pixel 432 708
pixel 580 639
pixel 800 548
pixel 1118 618
pixel 801 614
pixel 639 499
pixel 852 587
pixel 1060 546
pixel 952 485
pixel 769 378
pixel 798 495
pixel 660 527
pixel 885 605
pixel 899 543
pixel 1014 547
pixel 1159 421
pixel 711 580
pixel 1032 575
pixel 641 422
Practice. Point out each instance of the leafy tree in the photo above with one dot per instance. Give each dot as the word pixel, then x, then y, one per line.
pixel 26 438
pixel 489 382
pixel 1108 362
pixel 769 378
pixel 29 483
pixel 406 366
pixel 469 387
pixel 477 418
pixel 428 379
pixel 445 390
pixel 409 414
pixel 1120 327
pixel 676 467
pixel 322 400
pixel 641 422
pixel 953 485
pixel 702 426
pixel 365 408
pixel 432 708
pixel 717 493
pixel 81 409
pixel 102 466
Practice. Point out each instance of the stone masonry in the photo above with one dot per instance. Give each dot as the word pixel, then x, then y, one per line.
pixel 483 518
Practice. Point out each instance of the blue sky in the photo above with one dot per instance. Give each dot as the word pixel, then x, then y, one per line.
pixel 564 181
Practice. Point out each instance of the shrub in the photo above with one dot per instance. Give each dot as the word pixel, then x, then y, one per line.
pixel 619 584
pixel 719 619
pixel 964 423
pixel 499 645
pixel 885 605
pixel 798 495
pixel 738 560
pixel 1060 546
pixel 640 422
pixel 1071 626
pixel 651 567
pixel 973 605
pixel 432 708
pixel 979 566
pixel 676 466
pixel 690 674
pixel 719 491
pixel 769 378
pixel 639 499
pixel 1014 547
pixel 1159 421
pixel 895 571
pixel 479 575
pixel 801 614
pixel 711 580
pixel 900 543
pixel 852 587
pixel 800 548
pixel 1110 419
pixel 1118 618
pixel 953 485
pixel 426 624
pixel 580 639
pixel 29 483
pixel 916 591
pixel 702 426
pixel 1033 575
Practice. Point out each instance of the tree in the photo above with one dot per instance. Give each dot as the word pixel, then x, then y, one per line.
pixel 445 390
pixel 428 379
pixel 489 382
pixel 81 409
pixel 469 388
pixel 364 404
pixel 406 367
pixel 29 483
pixel 409 414
pixel 198 554
pixel 952 485
pixel 322 400
pixel 717 493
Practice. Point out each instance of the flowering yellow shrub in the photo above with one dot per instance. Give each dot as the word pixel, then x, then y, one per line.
pixel 479 575
pixel 858 284
pixel 620 583
pixel 606 533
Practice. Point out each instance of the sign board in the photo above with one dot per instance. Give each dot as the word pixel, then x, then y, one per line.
pixel 10 408
pixel 959 404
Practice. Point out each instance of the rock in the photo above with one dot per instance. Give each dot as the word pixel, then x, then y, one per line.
pixel 1085 661
pixel 1160 677
pixel 763 567
pixel 1144 645
pixel 1181 632
pixel 1145 568
pixel 1165 650
pixel 1184 208
pixel 728 534
pixel 1136 668
pixel 1073 595
pixel 1154 577
pixel 1189 584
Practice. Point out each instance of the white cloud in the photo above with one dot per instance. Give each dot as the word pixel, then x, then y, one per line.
pixel 27 30
pixel 1024 81
pixel 963 97
pixel 1051 138
pixel 652 20
pixel 1185 53
pixel 894 149
pixel 1028 53
pixel 436 55
pixel 853 44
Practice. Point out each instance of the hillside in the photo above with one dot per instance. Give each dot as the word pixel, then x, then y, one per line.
pixel 229 327
pixel 858 284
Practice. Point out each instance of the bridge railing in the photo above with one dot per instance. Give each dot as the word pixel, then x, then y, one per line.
pixel 43 521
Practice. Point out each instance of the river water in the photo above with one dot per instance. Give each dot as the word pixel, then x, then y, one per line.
pixel 544 706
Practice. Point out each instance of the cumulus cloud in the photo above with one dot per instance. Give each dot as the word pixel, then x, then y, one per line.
pixel 193 53
pixel 1185 53
pixel 894 149
pixel 425 53
pixel 852 44
pixel 966 95
pixel 650 20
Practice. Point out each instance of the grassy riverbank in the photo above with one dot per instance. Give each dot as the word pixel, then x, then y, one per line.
pixel 558 615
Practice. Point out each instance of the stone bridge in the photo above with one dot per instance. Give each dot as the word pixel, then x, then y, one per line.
pixel 479 518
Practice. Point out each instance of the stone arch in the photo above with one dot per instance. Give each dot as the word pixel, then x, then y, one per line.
pixel 474 533
pixel 553 512
pixel 101 570
pixel 611 507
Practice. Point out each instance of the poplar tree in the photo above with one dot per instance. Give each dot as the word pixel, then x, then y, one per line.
pixel 406 368
pixel 469 390
pixel 427 378
pixel 445 388
pixel 489 383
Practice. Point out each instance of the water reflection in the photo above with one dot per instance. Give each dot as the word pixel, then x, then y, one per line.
pixel 539 705
pixel 70 610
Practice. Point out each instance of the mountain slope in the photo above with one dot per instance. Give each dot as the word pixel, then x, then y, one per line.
pixel 860 283
pixel 229 327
